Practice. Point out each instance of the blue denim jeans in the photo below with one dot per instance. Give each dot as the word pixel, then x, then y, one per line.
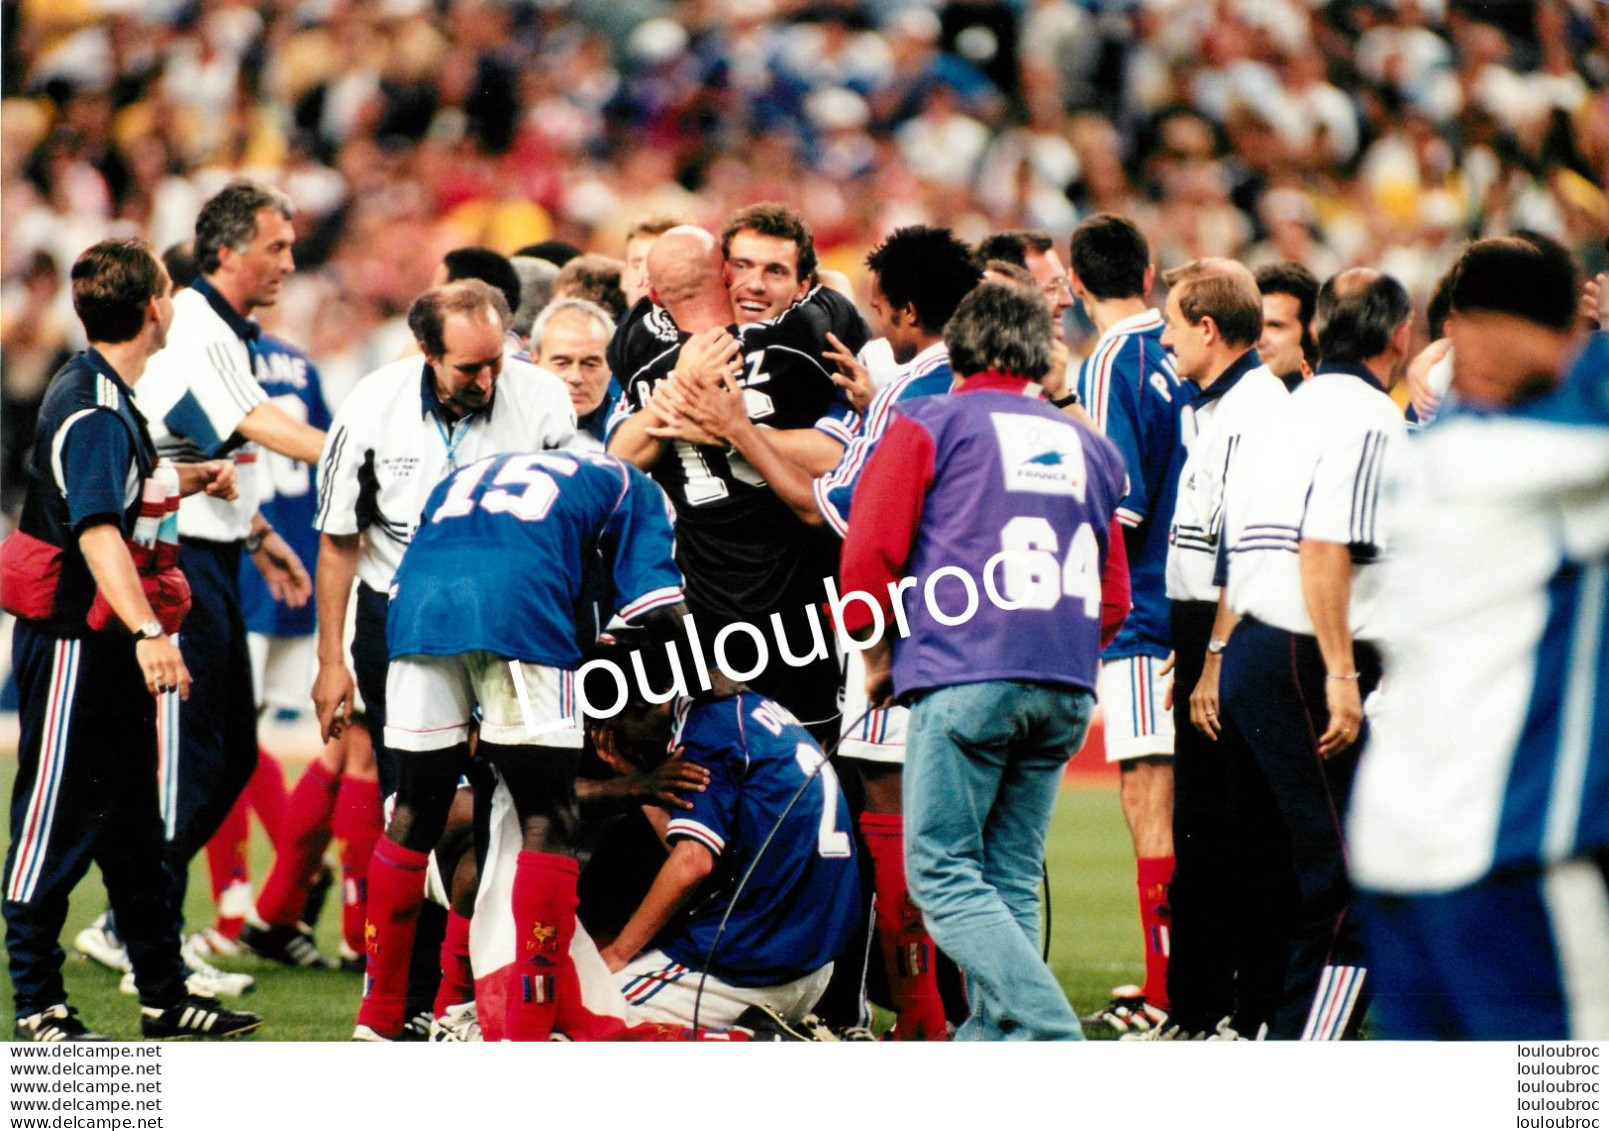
pixel 983 764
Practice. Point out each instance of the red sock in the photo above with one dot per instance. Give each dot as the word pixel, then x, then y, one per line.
pixel 1156 923
pixel 228 870
pixel 457 978
pixel 302 837
pixel 266 793
pixel 396 892
pixel 906 946
pixel 226 851
pixel 359 821
pixel 544 923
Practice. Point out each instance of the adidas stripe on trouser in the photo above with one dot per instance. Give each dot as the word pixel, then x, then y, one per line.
pixel 208 761
pixel 85 792
pixel 1273 695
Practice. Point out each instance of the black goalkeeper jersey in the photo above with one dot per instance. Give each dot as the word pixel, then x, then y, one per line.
pixel 744 553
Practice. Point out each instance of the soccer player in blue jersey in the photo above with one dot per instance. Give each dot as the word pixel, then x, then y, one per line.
pixel 1480 816
pixel 1130 389
pixel 483 624
pixel 699 940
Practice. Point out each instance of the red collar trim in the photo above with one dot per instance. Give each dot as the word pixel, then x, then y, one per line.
pixel 994 381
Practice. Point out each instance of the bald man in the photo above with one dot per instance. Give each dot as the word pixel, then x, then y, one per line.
pixel 1306 530
pixel 745 555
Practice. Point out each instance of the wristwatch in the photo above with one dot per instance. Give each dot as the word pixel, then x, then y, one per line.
pixel 150 630
pixel 254 540
pixel 1216 645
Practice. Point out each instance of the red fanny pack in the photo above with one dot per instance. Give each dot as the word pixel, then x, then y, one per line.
pixel 30 570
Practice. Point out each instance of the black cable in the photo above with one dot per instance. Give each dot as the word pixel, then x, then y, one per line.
pixel 715 943
pixel 1044 871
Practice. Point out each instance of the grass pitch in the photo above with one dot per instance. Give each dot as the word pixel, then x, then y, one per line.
pixel 1095 941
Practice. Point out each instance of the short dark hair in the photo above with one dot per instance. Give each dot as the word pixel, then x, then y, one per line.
pixel 429 311
pixel 1001 326
pixel 556 252
pixel 1527 276
pixel 595 278
pixel 928 268
pixel 1223 290
pixel 486 265
pixel 1354 318
pixel 1441 303
pixel 180 260
pixel 112 282
pixel 1013 247
pixel 768 218
pixel 229 220
pixel 1110 256
pixel 1289 277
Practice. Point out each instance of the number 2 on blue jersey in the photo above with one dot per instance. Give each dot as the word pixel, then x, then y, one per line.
pixel 831 841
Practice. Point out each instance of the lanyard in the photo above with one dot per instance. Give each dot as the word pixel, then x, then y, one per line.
pixel 451 440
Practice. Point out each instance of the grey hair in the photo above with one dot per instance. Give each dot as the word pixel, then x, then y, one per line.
pixel 585 307
pixel 229 220
pixel 429 311
pixel 1000 326
pixel 536 290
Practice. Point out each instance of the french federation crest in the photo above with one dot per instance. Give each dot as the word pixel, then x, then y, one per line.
pixel 1040 456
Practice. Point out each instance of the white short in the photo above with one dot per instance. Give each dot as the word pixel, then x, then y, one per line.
pixel 282 671
pixel 875 736
pixel 431 701
pixel 1132 693
pixel 659 990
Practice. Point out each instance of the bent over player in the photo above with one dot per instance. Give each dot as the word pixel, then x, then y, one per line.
pixel 760 892
pixel 483 615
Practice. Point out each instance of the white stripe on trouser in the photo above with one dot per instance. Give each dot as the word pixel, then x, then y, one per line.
pixel 167 759
pixel 40 815
pixel 1338 990
pixel 1578 912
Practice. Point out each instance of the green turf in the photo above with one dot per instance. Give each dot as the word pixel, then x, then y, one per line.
pixel 1095 943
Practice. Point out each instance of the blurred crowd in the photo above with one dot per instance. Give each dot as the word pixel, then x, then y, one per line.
pixel 1379 132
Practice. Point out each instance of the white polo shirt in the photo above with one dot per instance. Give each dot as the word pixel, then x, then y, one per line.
pixel 391 443
pixel 195 392
pixel 1313 469
pixel 1241 397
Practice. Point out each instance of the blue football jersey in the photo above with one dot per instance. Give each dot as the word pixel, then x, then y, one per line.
pixel 927 375
pixel 798 910
pixel 285 485
pixel 1135 397
pixel 501 559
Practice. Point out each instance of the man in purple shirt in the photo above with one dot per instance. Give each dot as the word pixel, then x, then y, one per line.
pixel 973 492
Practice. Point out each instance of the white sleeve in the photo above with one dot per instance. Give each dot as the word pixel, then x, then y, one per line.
pixel 346 448
pixel 1344 502
pixel 200 390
